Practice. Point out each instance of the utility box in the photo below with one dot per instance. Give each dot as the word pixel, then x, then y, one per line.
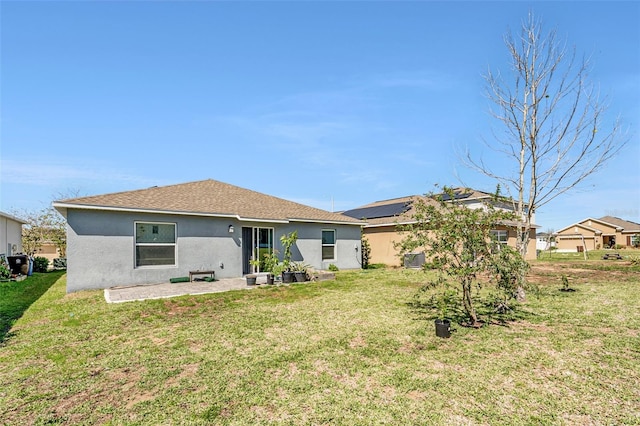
pixel 19 264
pixel 414 260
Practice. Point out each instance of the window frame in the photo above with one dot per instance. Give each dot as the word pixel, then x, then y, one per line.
pixel 154 226
pixel 334 245
pixel 496 233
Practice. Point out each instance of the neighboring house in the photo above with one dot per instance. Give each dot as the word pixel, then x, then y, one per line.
pixel 152 235
pixel 10 234
pixel 593 234
pixel 383 218
pixel 48 250
pixel 545 241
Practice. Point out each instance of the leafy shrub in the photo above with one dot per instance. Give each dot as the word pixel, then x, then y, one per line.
pixel 377 266
pixel 4 272
pixel 635 260
pixel 40 264
pixel 60 263
pixel 333 268
pixel 366 251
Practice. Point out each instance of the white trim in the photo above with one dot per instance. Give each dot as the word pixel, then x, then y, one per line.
pixel 497 233
pixel 15 219
pixel 380 225
pixel 201 214
pixel 329 222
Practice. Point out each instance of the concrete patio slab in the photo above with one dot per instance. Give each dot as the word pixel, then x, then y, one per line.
pixel 166 290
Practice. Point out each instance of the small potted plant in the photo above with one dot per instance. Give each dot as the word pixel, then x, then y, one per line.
pixel 270 264
pixel 299 271
pixel 443 299
pixel 288 240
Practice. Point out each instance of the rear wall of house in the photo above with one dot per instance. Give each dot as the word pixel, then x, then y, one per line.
pixel 101 248
pixel 382 241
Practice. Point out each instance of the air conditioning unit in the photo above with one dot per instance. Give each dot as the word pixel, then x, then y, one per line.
pixel 414 260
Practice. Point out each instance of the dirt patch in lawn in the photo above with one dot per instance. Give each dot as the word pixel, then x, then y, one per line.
pixel 545 273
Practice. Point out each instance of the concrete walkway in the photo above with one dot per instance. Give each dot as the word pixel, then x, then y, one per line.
pixel 165 290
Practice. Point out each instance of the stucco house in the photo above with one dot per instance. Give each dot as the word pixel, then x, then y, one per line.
pixel 154 234
pixel 10 234
pixel 384 217
pixel 545 241
pixel 593 234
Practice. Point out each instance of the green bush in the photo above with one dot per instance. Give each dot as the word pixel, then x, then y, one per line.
pixel 333 268
pixel 4 272
pixel 40 264
pixel 366 252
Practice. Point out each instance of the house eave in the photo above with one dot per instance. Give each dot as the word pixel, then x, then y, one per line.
pixel 65 206
pixel 331 222
pixel 15 219
pixel 382 225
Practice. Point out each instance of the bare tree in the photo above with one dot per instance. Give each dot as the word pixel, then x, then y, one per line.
pixel 46 226
pixel 553 136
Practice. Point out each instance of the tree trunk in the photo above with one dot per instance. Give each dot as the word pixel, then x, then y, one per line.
pixel 468 305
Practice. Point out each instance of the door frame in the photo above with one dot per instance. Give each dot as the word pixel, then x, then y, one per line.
pixel 252 244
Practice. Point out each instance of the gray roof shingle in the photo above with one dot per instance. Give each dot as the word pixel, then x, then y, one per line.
pixel 626 225
pixel 210 198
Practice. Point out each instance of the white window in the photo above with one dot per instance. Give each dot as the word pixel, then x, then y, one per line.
pixel 155 244
pixel 500 235
pixel 328 244
pixel 635 240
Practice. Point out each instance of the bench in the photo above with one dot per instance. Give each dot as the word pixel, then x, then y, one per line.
pixel 608 256
pixel 212 274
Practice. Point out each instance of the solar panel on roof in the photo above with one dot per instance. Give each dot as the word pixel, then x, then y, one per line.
pixel 374 212
pixel 456 195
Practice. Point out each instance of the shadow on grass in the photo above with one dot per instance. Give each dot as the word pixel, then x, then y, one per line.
pixel 487 311
pixel 17 296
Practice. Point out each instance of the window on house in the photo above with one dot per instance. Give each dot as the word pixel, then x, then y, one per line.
pixel 155 244
pixel 328 244
pixel 634 240
pixel 500 235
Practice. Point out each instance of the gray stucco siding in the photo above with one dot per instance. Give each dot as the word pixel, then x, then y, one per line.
pixel 101 248
pixel 309 245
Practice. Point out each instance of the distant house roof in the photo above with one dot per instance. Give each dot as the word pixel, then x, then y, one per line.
pixel 16 219
pixel 626 225
pixel 401 210
pixel 387 212
pixel 380 209
pixel 206 198
pixel 622 225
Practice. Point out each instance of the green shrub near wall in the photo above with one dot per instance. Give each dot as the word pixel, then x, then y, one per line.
pixel 40 264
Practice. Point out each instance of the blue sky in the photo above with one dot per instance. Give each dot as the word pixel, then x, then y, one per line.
pixel 332 104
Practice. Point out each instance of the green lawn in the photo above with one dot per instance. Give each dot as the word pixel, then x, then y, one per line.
pixel 347 352
pixel 553 255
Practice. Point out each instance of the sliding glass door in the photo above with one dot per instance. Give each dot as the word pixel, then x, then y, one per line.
pixel 256 243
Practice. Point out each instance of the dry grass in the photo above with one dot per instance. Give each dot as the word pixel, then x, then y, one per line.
pixel 345 352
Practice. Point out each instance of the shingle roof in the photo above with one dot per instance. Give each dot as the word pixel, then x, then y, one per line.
pixel 406 214
pixel 626 225
pixel 207 197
